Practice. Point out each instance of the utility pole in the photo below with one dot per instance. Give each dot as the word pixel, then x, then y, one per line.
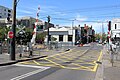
pixel 12 51
pixel 102 32
pixel 72 30
pixel 48 30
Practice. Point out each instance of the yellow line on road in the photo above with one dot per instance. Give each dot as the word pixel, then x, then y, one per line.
pixel 27 62
pixel 55 63
pixel 73 63
pixel 59 59
pixel 96 66
pixel 42 64
pixel 58 54
pixel 78 69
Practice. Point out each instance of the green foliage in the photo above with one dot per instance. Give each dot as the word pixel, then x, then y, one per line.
pixel 53 39
pixel 29 30
pixel 97 36
pixel 104 37
pixel 40 37
pixel 25 37
pixel 4 32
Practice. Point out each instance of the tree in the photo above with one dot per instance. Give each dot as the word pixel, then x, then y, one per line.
pixel 53 39
pixel 104 37
pixel 97 36
pixel 40 37
pixel 24 36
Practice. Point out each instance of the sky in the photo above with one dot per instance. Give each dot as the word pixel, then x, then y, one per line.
pixel 66 12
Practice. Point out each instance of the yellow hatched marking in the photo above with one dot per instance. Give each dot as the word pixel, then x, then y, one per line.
pixel 59 59
pixel 96 66
pixel 92 62
pixel 40 64
pixel 79 60
pixel 55 63
pixel 58 54
pixel 27 62
pixel 74 64
pixel 78 69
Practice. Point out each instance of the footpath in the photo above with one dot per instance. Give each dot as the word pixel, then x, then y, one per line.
pixel 105 70
pixel 37 53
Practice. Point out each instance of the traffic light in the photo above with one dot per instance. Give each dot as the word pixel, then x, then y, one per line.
pixel 8 18
pixel 109 25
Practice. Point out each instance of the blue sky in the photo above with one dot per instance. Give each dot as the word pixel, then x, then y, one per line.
pixel 63 11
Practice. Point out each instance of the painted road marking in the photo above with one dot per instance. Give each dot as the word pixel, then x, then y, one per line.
pixel 72 63
pixel 55 63
pixel 80 66
pixel 29 74
pixel 41 64
pixel 96 66
pixel 59 53
pixel 81 63
pixel 32 66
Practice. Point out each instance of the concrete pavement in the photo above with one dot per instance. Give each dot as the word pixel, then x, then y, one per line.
pixel 105 70
pixel 111 72
pixel 37 53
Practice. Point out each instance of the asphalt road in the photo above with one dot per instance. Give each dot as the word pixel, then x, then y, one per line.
pixel 72 65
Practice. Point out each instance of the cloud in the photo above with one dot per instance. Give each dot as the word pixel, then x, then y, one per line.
pixel 80 18
pixel 24 11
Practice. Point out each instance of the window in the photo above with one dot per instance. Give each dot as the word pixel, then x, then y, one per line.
pixel 39 27
pixel 4 13
pixel 9 14
pixel 9 10
pixel 115 26
pixel 69 37
pixel 4 9
pixel 60 37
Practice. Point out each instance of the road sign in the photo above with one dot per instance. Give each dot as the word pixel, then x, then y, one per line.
pixel 10 34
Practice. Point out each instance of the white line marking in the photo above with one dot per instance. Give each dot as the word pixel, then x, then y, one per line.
pixel 31 66
pixel 28 74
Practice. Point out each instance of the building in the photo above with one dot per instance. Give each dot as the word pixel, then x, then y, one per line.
pixel 115 28
pixel 65 36
pixel 87 34
pixel 5 12
pixel 26 21
pixel 5 16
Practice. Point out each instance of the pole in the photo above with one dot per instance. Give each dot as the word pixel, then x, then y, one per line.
pixel 48 30
pixel 72 30
pixel 12 52
pixel 102 32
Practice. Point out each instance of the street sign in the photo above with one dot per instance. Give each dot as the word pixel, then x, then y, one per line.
pixel 10 34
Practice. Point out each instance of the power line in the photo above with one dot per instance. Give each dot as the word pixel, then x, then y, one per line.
pixel 88 9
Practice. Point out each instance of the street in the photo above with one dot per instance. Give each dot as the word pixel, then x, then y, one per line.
pixel 79 63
